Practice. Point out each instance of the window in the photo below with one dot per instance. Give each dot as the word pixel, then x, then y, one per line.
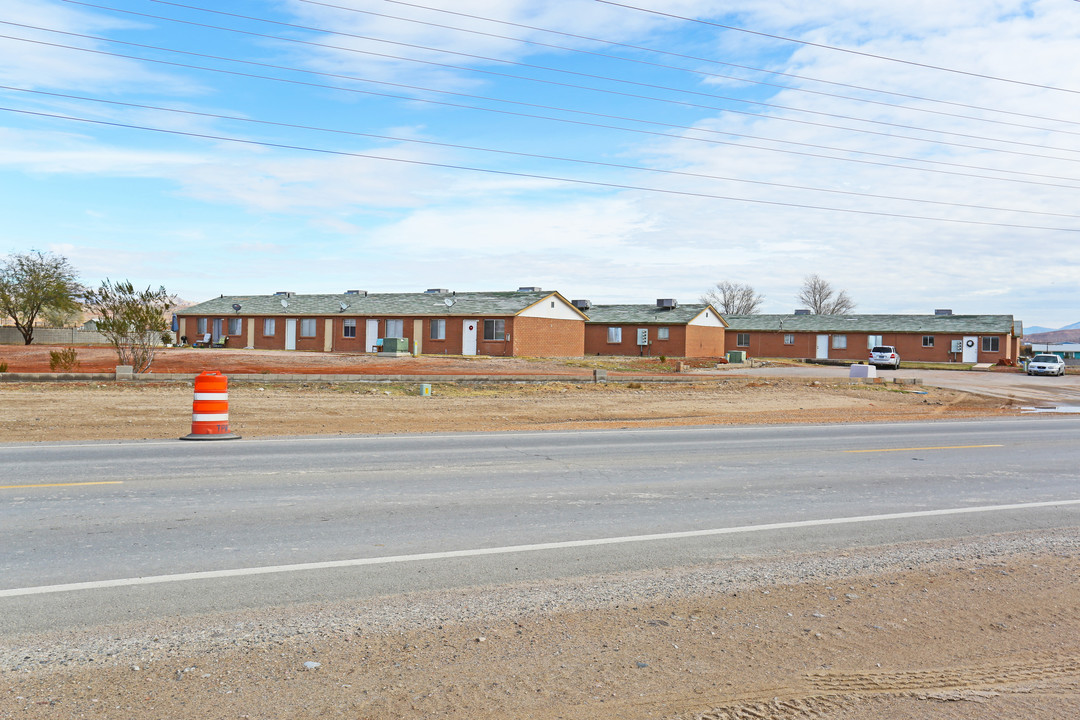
pixel 662 333
pixel 235 325
pixel 614 334
pixel 873 341
pixel 395 328
pixel 839 342
pixel 789 339
pixel 349 328
pixel 307 327
pixel 438 330
pixel 494 329
pixel 200 326
pixel 269 326
pixel 742 340
pixel 990 344
pixel 928 341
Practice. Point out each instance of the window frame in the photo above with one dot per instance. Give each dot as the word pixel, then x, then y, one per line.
pixel 309 327
pixel 838 341
pixel 235 326
pixel 200 326
pixel 928 341
pixel 873 341
pixel 397 324
pixel 789 338
pixel 663 333
pixel 742 339
pixel 437 329
pixel 269 327
pixel 347 325
pixel 991 343
pixel 614 334
pixel 495 329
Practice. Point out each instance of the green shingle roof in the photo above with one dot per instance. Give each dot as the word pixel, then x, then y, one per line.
pixel 644 314
pixel 403 304
pixel 874 324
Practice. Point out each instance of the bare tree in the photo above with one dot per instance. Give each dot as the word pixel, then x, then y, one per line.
pixel 732 298
pixel 132 320
pixel 818 295
pixel 35 284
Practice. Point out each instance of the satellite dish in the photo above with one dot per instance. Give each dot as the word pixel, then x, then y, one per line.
pixel 236 307
pixel 449 302
pixel 284 303
pixel 344 306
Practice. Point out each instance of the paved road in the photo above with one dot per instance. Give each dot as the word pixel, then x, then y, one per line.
pixel 1040 392
pixel 165 528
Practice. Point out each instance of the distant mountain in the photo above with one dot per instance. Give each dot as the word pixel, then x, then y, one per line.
pixel 1037 329
pixel 1069 333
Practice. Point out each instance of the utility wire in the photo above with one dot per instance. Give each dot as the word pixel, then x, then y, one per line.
pixel 587 75
pixel 532 176
pixel 668 53
pixel 519 103
pixel 839 49
pixel 536 156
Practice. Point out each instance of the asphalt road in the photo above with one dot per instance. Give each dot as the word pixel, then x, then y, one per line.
pixel 100 532
pixel 1038 392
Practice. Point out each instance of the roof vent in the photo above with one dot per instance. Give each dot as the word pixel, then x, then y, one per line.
pixel 437 291
pixel 943 311
pixel 667 303
pixel 802 312
pixel 581 304
pixel 362 293
pixel 530 289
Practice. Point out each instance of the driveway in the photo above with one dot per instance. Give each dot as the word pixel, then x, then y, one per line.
pixel 1041 392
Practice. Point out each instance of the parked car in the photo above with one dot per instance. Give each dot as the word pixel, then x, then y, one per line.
pixel 1046 365
pixel 885 356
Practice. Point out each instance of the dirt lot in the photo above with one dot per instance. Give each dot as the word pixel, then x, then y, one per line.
pixel 989 628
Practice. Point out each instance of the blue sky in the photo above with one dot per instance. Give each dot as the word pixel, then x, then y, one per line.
pixel 613 153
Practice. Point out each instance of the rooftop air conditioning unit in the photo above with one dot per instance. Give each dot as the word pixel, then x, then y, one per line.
pixel 437 291
pixel 530 289
pixel 581 304
pixel 943 312
pixel 667 303
pixel 284 293
pixel 356 292
pixel 802 312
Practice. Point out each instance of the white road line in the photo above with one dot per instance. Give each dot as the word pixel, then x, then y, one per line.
pixel 478 552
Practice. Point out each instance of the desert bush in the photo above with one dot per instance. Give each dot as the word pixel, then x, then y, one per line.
pixel 3 367
pixel 63 360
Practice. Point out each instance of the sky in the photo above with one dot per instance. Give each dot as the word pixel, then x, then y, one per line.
pixel 917 155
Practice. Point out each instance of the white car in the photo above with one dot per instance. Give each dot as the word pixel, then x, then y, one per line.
pixel 1046 365
pixel 885 355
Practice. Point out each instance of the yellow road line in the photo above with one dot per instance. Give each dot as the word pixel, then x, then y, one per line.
pixel 943 447
pixel 103 482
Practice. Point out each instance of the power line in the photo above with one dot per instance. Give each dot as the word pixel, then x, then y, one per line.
pixel 838 49
pixel 598 77
pixel 529 105
pixel 695 58
pixel 596 163
pixel 533 176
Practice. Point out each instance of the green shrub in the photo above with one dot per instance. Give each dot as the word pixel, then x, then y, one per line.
pixel 3 367
pixel 63 360
pixel 663 359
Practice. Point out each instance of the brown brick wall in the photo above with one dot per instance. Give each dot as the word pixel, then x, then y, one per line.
pixel 547 337
pixel 908 345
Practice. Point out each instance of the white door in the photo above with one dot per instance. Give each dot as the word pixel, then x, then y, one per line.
pixel 371 334
pixel 971 349
pixel 822 347
pixel 290 333
pixel 468 337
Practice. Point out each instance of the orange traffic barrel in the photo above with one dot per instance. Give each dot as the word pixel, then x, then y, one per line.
pixel 210 411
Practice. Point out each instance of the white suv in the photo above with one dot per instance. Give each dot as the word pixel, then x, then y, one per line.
pixel 884 355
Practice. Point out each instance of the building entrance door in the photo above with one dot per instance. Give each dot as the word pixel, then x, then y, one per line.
pixel 468 337
pixel 290 334
pixel 822 347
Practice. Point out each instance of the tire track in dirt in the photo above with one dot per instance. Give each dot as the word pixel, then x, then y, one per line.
pixel 831 693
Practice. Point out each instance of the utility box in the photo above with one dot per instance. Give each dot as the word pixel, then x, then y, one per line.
pixel 396 345
pixel 736 356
